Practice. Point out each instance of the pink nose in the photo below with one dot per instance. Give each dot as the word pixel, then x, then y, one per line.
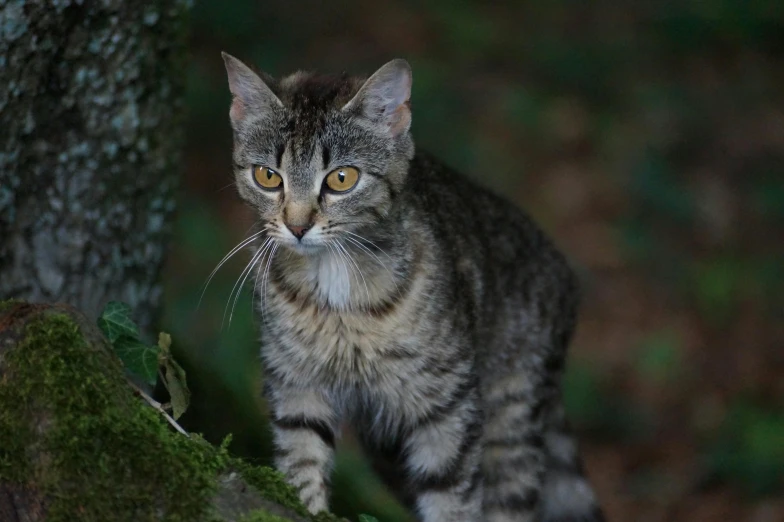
pixel 298 231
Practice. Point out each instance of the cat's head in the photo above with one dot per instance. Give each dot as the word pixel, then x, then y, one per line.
pixel 320 157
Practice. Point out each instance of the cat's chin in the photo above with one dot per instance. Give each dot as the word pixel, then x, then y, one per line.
pixel 306 249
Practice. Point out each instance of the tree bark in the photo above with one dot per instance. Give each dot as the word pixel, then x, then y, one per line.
pixel 91 99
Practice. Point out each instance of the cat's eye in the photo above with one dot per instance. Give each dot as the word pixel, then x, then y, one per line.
pixel 342 179
pixel 267 178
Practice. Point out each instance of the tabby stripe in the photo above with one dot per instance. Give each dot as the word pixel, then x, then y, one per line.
pixel 401 291
pixel 388 306
pixel 528 440
pixel 544 393
pixel 398 352
pixel 325 156
pixel 305 484
pixel 473 484
pixel 304 463
pixel 309 498
pixel 451 476
pixel 386 181
pixel 464 388
pixel 289 292
pixel 518 501
pixel 319 427
pixel 512 465
pixel 279 155
pixel 438 483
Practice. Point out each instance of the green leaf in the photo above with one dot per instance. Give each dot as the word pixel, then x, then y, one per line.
pixel 139 358
pixel 116 322
pixel 173 377
pixel 367 518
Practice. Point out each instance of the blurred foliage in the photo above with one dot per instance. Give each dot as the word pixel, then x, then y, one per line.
pixel 748 448
pixel 647 138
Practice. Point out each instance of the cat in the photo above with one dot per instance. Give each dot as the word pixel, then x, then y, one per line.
pixel 396 295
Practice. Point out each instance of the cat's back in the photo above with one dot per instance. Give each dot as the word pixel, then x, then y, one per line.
pixel 473 223
pixel 506 275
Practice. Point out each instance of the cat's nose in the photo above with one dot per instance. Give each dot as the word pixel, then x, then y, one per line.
pixel 297 230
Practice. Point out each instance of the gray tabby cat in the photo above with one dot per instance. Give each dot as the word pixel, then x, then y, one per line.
pixel 396 295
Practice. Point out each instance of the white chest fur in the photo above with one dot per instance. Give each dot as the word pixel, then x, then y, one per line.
pixel 332 275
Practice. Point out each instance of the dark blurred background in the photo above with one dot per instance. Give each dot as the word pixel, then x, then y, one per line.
pixel 647 138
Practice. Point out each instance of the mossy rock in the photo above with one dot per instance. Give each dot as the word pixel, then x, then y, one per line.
pixel 77 443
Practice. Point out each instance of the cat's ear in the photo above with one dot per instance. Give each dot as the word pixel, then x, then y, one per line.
pixel 384 98
pixel 249 92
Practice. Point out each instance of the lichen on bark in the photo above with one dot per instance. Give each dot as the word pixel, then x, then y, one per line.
pixel 90 139
pixel 77 443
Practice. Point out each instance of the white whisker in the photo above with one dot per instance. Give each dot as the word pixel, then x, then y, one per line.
pixel 343 264
pixel 240 246
pixel 256 279
pixel 366 249
pixel 348 255
pixel 265 281
pixel 370 242
pixel 342 260
pixel 238 286
pixel 239 290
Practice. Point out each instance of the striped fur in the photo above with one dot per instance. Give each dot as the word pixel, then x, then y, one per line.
pixel 431 314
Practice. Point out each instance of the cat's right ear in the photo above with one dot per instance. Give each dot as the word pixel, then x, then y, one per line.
pixel 249 92
pixel 385 97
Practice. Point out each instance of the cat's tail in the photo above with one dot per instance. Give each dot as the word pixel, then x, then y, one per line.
pixel 567 495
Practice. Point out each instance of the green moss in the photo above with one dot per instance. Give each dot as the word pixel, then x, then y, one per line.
pixel 261 516
pixel 326 517
pixel 107 455
pixel 100 436
pixel 5 305
pixel 274 487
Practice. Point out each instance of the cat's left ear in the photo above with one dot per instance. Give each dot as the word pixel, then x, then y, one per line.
pixel 385 97
pixel 249 92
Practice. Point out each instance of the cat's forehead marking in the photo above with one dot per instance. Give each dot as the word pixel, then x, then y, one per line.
pixel 309 98
pixel 306 92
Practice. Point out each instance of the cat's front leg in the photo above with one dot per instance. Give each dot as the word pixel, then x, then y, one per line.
pixel 443 459
pixel 304 426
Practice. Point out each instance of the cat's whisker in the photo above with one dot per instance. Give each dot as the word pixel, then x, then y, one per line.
pixel 344 264
pixel 265 281
pixel 366 249
pixel 263 269
pixel 247 269
pixel 245 242
pixel 359 270
pixel 239 290
pixel 370 242
pixel 233 183
pixel 340 258
pixel 238 286
pixel 256 279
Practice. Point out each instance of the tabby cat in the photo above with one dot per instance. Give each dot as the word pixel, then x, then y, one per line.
pixel 397 296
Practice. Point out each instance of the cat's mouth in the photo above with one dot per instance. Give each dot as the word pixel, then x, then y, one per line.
pixel 305 247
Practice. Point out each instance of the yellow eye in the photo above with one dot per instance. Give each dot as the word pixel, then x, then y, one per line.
pixel 266 177
pixel 342 179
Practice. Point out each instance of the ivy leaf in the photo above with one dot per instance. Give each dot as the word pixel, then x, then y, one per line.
pixel 367 518
pixel 173 377
pixel 116 322
pixel 139 358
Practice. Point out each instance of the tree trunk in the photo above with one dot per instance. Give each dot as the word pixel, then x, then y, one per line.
pixel 90 98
